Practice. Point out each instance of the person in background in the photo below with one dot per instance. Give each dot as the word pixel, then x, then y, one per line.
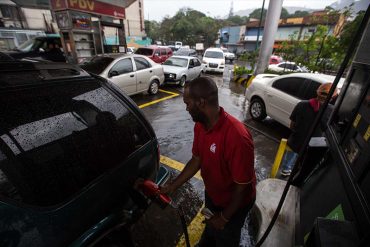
pixel 223 151
pixel 302 118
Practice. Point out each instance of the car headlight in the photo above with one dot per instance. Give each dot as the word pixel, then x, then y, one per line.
pixel 172 76
pixel 222 63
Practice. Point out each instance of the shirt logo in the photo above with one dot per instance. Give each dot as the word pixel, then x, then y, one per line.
pixel 212 148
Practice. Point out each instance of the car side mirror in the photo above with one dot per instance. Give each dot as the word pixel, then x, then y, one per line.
pixel 113 73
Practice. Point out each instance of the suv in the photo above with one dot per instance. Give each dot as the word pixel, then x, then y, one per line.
pixel 214 60
pixel 158 54
pixel 72 146
pixel 46 48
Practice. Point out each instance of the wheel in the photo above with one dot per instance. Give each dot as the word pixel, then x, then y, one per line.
pixel 182 81
pixel 257 109
pixel 153 87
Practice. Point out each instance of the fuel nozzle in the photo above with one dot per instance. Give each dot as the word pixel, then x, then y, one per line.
pixel 151 190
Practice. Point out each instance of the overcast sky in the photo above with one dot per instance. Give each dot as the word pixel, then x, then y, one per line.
pixel 157 9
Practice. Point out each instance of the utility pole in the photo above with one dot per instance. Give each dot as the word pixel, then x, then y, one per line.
pixel 260 23
pixel 270 28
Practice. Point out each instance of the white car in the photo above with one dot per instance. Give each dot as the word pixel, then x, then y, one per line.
pixel 276 96
pixel 131 72
pixel 287 67
pixel 179 69
pixel 228 55
pixel 214 60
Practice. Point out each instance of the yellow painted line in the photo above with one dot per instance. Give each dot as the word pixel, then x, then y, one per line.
pixel 195 230
pixel 249 81
pixel 278 157
pixel 172 95
pixel 196 227
pixel 176 165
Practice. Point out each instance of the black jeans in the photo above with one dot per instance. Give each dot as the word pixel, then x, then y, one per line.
pixel 230 235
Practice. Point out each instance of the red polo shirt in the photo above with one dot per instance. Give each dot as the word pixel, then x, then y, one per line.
pixel 227 157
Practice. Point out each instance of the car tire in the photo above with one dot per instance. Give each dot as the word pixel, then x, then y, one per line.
pixel 257 109
pixel 182 81
pixel 153 87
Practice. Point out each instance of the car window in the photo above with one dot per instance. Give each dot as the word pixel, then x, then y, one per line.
pixel 157 52
pixel 123 66
pixel 97 65
pixel 163 52
pixel 294 67
pixel 55 140
pixel 310 89
pixel 144 51
pixel 191 62
pixel 293 86
pixel 176 61
pixel 214 54
pixel 141 63
pixel 196 62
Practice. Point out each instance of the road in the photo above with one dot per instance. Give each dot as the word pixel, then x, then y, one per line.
pixel 174 129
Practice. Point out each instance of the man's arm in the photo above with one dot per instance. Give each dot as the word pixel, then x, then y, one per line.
pixel 189 171
pixel 239 193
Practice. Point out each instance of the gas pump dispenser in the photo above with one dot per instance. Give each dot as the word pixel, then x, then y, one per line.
pixel 335 199
pixel 332 176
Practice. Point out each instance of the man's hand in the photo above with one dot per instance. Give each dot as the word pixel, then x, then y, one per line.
pixel 217 222
pixel 167 189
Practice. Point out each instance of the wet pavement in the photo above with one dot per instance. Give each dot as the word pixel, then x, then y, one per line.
pixel 174 129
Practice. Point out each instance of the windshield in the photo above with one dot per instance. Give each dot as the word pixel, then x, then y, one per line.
pixel 97 65
pixel 178 62
pixel 144 51
pixel 26 46
pixel 214 54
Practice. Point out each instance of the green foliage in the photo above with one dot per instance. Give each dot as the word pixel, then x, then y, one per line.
pixel 299 13
pixel 250 57
pixel 239 71
pixel 257 13
pixel 188 25
pixel 284 13
pixel 236 20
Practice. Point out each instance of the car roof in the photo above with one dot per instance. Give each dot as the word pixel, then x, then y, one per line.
pixel 214 49
pixel 187 57
pixel 119 55
pixel 13 73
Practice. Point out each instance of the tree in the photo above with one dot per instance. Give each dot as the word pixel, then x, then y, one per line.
pixel 284 13
pixel 299 13
pixel 236 20
pixel 256 14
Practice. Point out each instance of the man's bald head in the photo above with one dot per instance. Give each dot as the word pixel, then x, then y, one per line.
pixel 204 88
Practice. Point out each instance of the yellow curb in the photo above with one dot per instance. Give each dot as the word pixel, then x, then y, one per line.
pixel 176 165
pixel 278 157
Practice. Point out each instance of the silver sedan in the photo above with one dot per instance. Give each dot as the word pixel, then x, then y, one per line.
pixel 132 73
pixel 180 69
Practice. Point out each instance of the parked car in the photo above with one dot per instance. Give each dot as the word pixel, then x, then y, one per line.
pixel 186 52
pixel 228 55
pixel 287 67
pixel 179 69
pixel 178 44
pixel 72 147
pixel 276 96
pixel 158 54
pixel 214 60
pixel 46 47
pixel 275 59
pixel 130 50
pixel 130 72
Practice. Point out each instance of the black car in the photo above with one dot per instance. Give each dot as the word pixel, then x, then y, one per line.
pixel 72 146
pixel 46 48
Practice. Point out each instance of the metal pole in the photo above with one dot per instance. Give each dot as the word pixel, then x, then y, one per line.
pixel 270 28
pixel 259 25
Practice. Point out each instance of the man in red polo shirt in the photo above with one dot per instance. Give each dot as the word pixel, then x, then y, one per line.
pixel 223 151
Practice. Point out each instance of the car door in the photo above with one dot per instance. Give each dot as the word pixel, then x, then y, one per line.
pixel 191 70
pixel 144 73
pixel 198 67
pixel 122 74
pixel 163 55
pixel 282 96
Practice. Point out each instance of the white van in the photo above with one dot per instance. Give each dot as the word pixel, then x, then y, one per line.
pixel 214 60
